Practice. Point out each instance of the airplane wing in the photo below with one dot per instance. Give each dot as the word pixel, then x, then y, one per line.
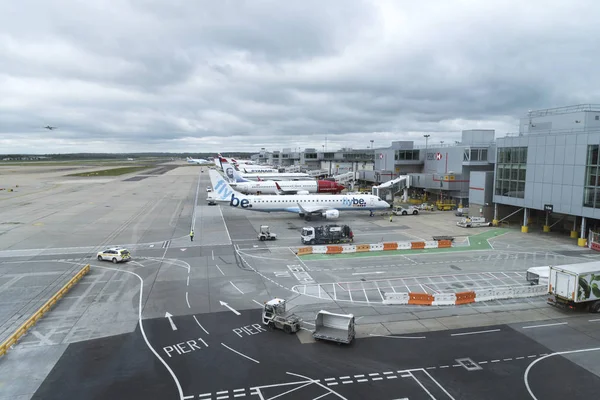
pixel 313 209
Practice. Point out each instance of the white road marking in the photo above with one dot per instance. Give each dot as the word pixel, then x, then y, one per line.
pixel 238 289
pixel 212 253
pixel 187 299
pixel 222 273
pixel 440 386
pixel 320 384
pixel 225 224
pixel 243 355
pixel 593 320
pixel 143 332
pixel 525 376
pixel 420 384
pixel 188 280
pixel 541 326
pixel 398 337
pixel 475 333
pixel 257 302
pixel 368 273
pixel 200 325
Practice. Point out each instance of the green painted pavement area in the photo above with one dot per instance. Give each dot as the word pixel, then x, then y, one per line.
pixel 476 242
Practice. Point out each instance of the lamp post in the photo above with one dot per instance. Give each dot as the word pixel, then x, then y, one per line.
pixel 426 138
pixel 372 143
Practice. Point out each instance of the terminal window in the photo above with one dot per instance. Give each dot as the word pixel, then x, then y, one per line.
pixel 407 155
pixel 591 197
pixel 511 169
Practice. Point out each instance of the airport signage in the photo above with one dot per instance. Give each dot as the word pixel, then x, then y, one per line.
pixel 188 346
pixel 548 208
pixel 354 202
pixel 235 202
pixel 249 330
pixel 434 156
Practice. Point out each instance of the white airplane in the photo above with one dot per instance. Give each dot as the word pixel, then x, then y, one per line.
pixel 327 206
pixel 273 176
pixel 198 161
pixel 278 187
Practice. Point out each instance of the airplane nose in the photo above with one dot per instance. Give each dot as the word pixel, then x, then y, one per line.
pixel 340 187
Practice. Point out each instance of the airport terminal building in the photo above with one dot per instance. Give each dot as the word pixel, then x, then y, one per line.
pixel 546 176
pixel 551 169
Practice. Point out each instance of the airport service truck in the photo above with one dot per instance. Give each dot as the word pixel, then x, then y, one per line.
pixel 473 222
pixel 575 286
pixel 327 234
pixel 274 315
pixel 337 328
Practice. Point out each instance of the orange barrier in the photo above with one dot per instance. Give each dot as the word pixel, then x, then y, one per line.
pixel 417 245
pixel 304 250
pixel 421 299
pixel 334 249
pixel 442 244
pixel 363 247
pixel 465 298
pixel 390 246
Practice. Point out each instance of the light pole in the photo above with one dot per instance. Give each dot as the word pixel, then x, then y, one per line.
pixel 372 143
pixel 426 138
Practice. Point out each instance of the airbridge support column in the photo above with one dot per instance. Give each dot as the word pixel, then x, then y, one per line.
pixel 581 242
pixel 574 231
pixel 525 227
pixel 495 220
pixel 405 195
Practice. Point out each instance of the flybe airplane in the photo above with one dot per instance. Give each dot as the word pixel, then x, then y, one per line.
pixel 278 187
pixel 325 205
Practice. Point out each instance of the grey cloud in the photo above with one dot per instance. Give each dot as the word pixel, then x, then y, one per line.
pixel 248 74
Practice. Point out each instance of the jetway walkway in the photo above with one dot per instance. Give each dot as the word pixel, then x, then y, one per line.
pixel 402 182
pixel 345 178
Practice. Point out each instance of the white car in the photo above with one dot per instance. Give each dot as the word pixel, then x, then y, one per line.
pixel 114 254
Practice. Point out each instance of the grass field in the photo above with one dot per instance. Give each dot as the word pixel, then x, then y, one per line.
pixel 113 171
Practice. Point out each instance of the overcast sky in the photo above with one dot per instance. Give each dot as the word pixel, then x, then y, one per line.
pixel 224 75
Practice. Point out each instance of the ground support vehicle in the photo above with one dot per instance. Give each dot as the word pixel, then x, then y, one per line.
pixel 575 286
pixel 274 315
pixel 538 275
pixel 266 234
pixel 326 234
pixel 473 222
pixel 337 328
pixel 405 210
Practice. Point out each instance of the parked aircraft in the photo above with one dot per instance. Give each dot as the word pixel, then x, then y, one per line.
pixel 279 187
pixel 306 206
pixel 50 127
pixel 274 176
pixel 198 161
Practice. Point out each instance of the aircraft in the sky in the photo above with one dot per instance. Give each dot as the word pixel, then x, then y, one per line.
pixel 50 127
pixel 199 161
pixel 278 187
pixel 306 206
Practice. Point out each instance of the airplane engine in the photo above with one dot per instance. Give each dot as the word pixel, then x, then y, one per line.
pixel 303 192
pixel 331 214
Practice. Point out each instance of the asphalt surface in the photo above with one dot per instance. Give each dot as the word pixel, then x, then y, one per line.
pixel 99 343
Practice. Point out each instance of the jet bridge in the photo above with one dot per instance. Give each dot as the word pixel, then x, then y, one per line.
pixel 400 183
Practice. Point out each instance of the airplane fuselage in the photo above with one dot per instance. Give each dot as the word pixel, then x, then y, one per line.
pixel 292 203
pixel 284 176
pixel 253 187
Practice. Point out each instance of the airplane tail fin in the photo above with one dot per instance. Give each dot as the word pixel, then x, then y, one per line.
pixel 222 191
pixel 231 174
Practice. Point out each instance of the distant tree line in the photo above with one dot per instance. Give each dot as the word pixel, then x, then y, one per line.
pixel 118 156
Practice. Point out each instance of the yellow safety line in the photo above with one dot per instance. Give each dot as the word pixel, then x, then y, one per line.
pixel 43 310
